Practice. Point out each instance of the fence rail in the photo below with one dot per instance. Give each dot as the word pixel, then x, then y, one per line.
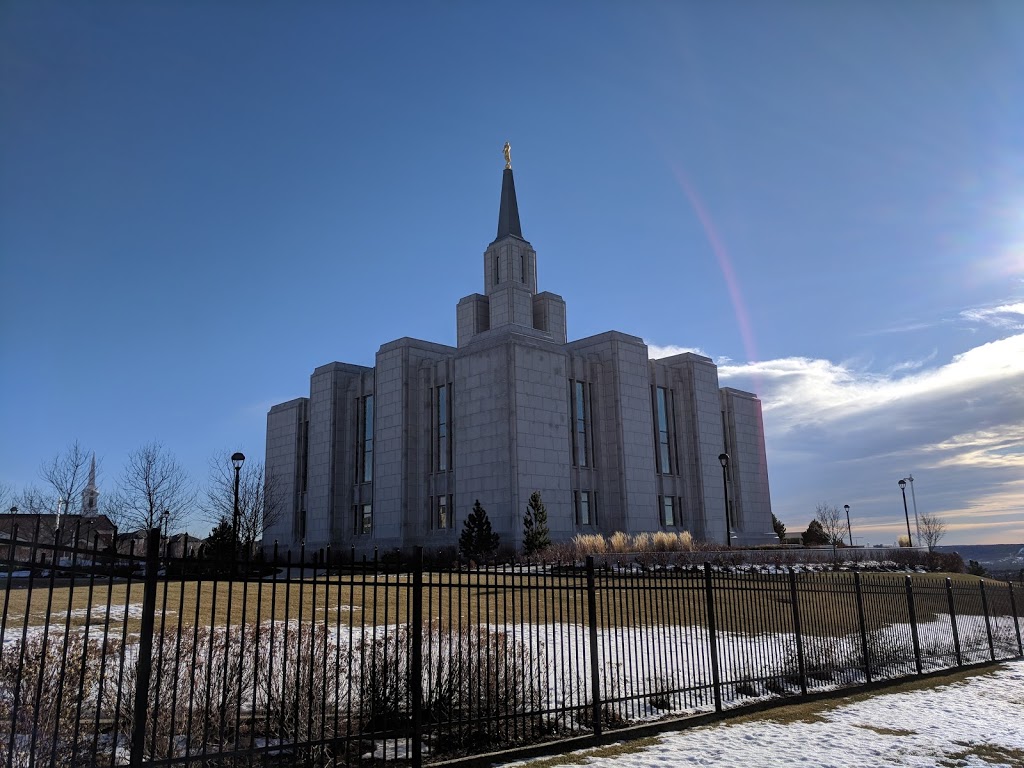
pixel 110 659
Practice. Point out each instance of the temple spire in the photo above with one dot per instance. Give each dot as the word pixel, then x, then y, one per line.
pixel 508 211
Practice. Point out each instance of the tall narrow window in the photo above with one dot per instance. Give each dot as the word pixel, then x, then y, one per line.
pixel 668 511
pixel 580 413
pixel 665 452
pixel 583 516
pixel 442 428
pixel 365 474
pixel 363 518
pixel 442 512
pixel 497 269
pixel 522 267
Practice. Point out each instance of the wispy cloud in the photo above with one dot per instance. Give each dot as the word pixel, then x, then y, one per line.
pixel 909 327
pixel 804 391
pixel 836 430
pixel 1004 316
pixel 1008 316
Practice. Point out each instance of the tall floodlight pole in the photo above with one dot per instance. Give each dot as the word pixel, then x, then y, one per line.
pixel 913 499
pixel 906 514
pixel 723 459
pixel 236 460
pixel 848 530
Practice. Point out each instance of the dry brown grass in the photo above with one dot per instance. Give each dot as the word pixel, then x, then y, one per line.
pixel 744 603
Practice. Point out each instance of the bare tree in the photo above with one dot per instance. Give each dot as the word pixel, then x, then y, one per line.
pixel 832 523
pixel 153 482
pixel 932 530
pixel 34 501
pixel 6 497
pixel 259 498
pixel 67 474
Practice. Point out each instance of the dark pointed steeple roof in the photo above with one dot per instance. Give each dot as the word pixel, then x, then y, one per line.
pixel 508 212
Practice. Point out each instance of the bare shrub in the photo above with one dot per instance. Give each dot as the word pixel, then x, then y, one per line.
pixel 41 685
pixel 484 673
pixel 643 542
pixel 200 686
pixel 884 653
pixel 306 683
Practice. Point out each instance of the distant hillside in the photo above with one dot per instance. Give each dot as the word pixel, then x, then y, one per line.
pixel 1001 560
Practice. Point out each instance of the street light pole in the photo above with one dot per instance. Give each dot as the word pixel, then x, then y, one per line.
pixel 236 460
pixel 848 529
pixel 165 519
pixel 723 459
pixel 906 514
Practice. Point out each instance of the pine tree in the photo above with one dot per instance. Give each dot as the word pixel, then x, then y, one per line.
pixel 780 528
pixel 536 536
pixel 814 535
pixel 478 541
pixel 220 544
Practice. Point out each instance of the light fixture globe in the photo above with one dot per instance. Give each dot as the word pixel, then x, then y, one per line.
pixel 723 459
pixel 903 484
pixel 237 458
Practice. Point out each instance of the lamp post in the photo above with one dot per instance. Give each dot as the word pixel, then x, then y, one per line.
pixel 849 531
pixel 236 460
pixel 165 521
pixel 723 459
pixel 906 514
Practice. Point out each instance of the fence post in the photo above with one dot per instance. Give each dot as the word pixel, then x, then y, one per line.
pixel 595 672
pixel 988 623
pixel 1016 620
pixel 417 658
pixel 709 595
pixel 144 664
pixel 796 628
pixel 863 626
pixel 912 610
pixel 952 621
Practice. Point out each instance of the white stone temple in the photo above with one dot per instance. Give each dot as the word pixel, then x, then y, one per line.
pixel 394 456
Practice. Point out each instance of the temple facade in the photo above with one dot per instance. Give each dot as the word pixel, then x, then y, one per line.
pixel 394 456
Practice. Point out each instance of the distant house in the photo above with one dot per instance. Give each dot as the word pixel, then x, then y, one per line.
pixel 178 545
pixel 183 545
pixel 28 537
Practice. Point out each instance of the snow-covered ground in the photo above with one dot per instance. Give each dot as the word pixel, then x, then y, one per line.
pixel 973 723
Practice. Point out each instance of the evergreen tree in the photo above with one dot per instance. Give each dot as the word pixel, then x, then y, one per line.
pixel 815 535
pixel 220 544
pixel 780 527
pixel 536 536
pixel 478 541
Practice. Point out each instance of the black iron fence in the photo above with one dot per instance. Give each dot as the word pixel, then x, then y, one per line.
pixel 111 659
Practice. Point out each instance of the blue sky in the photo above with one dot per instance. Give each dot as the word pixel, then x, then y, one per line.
pixel 201 202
